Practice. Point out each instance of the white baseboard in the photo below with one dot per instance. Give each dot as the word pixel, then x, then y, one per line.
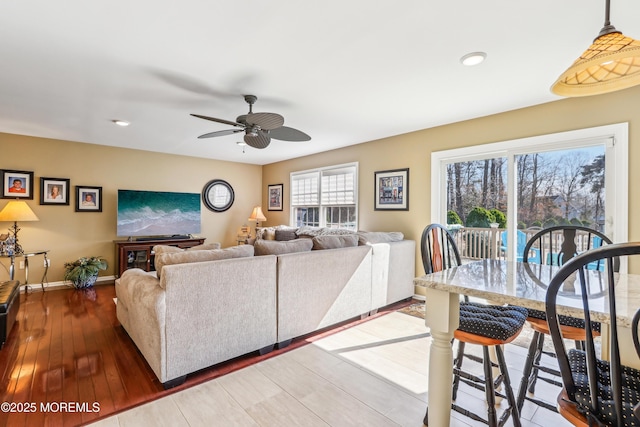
pixel 31 287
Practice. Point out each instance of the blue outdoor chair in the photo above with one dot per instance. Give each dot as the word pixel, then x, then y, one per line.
pixel 534 256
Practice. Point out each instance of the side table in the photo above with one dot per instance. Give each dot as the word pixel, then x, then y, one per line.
pixel 26 255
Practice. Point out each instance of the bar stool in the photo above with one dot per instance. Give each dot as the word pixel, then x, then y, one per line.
pixel 555 246
pixel 480 324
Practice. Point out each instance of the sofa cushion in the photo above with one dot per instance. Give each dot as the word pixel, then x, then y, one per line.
pixel 185 257
pixel 334 242
pixel 286 234
pixel 365 237
pixel 274 247
pixel 160 249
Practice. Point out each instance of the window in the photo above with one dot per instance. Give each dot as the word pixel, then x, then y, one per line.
pixel 571 177
pixel 325 197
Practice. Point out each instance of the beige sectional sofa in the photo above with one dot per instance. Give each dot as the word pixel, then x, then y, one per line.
pixel 199 314
pixel 320 288
pixel 209 306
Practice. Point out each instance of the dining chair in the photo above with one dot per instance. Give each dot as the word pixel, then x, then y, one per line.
pixel 554 246
pixel 482 324
pixel 595 392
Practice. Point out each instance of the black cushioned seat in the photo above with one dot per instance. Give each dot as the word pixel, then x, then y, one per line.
pixel 565 320
pixel 479 324
pixel 492 321
pixel 9 306
pixel 630 389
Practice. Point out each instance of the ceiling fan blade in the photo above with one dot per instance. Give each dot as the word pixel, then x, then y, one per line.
pixel 213 119
pixel 220 133
pixel 285 133
pixel 257 140
pixel 266 121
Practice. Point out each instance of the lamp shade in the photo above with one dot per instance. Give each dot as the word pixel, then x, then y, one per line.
pixel 17 211
pixel 257 215
pixel 611 63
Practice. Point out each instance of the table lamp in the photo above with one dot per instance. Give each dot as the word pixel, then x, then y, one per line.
pixel 257 216
pixel 17 211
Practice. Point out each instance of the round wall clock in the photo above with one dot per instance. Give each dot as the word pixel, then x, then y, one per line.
pixel 218 195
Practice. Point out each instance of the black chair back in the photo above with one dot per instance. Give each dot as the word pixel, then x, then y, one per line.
pixel 557 245
pixel 603 391
pixel 439 250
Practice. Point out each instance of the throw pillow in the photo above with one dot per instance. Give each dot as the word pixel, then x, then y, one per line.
pixel 185 257
pixel 366 237
pixel 265 233
pixel 269 234
pixel 274 247
pixel 307 231
pixel 286 234
pixel 334 242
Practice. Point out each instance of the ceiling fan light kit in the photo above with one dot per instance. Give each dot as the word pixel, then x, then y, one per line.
pixel 611 63
pixel 259 128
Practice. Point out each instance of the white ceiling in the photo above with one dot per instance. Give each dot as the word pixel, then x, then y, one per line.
pixel 344 72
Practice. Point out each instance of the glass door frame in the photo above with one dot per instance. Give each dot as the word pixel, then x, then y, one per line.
pixel 615 137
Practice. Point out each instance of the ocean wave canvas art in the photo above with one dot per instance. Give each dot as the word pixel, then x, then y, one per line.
pixel 157 213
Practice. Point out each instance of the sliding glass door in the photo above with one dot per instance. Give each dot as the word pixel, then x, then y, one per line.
pixel 500 194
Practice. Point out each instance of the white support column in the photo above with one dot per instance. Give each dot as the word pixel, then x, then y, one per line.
pixel 443 318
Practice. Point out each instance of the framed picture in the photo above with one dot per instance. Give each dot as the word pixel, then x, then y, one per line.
pixel 54 191
pixel 275 197
pixel 392 190
pixel 88 199
pixel 17 184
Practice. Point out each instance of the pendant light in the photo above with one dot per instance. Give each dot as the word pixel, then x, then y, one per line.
pixel 611 63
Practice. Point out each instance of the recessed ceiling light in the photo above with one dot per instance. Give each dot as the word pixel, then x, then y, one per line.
pixel 121 122
pixel 473 58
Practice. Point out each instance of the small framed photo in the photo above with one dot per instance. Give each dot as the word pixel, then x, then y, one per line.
pixel 88 199
pixel 17 184
pixel 275 197
pixel 54 191
pixel 392 190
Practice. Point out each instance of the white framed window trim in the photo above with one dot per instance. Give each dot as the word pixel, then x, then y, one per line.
pixel 330 187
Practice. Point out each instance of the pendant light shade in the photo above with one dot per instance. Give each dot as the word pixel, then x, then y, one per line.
pixel 611 63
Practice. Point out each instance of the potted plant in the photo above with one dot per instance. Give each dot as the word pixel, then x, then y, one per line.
pixel 83 272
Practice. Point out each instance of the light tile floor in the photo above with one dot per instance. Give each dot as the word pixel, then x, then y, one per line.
pixel 373 374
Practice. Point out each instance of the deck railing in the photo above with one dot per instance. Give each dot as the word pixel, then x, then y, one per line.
pixel 480 243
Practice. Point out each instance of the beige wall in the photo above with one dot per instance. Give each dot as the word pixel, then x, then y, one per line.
pixel 413 150
pixel 69 234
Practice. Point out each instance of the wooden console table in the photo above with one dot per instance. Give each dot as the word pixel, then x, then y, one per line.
pixel 139 253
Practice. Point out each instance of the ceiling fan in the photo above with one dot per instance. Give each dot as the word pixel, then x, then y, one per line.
pixel 258 128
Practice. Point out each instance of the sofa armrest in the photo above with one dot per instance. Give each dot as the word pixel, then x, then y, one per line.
pixel 141 309
pixel 393 271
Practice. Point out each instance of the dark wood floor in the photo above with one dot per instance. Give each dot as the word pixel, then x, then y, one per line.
pixel 67 346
